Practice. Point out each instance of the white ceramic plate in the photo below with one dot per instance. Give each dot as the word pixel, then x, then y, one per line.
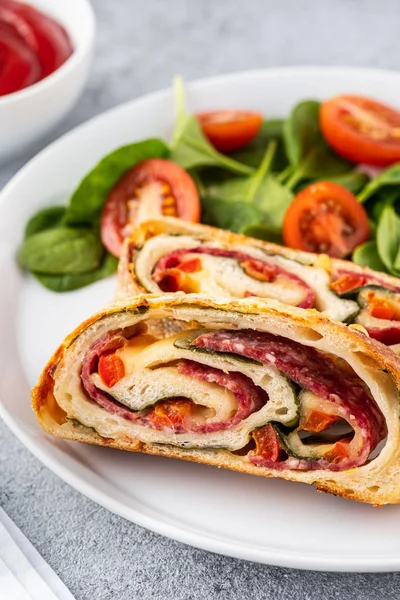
pixel 269 521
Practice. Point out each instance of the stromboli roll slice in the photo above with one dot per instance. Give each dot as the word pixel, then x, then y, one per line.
pixel 252 386
pixel 170 256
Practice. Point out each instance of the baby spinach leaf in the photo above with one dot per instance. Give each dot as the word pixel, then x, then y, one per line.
pixel 263 232
pixel 46 218
pixel 207 177
pixel 301 131
pixel 261 189
pixel 87 201
pixel 396 264
pixel 353 181
pixel 273 199
pixel 377 203
pixel 388 240
pixel 221 213
pixel 246 189
pixel 69 282
pixel 372 229
pixel 322 162
pixel 252 154
pixel 367 255
pixel 388 177
pixel 190 148
pixel 306 147
pixel 62 250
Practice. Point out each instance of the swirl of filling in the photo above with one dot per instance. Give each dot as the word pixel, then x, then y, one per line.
pixel 222 388
pixel 181 270
pixel 326 381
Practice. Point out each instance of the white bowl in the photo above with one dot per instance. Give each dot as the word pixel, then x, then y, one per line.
pixel 29 114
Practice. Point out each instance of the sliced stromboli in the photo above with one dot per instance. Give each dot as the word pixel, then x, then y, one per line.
pixel 171 256
pixel 252 386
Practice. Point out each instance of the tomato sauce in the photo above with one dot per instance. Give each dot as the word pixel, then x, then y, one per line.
pixel 32 46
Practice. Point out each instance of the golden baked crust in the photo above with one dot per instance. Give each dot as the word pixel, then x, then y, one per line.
pixel 376 483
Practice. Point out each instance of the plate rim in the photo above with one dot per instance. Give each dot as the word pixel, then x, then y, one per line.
pixel 180 531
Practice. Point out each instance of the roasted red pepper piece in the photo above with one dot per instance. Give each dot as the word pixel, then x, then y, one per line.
pixel 111 369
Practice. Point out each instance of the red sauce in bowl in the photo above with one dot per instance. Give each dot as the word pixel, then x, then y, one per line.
pixel 32 46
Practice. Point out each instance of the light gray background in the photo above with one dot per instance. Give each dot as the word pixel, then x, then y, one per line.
pixel 141 44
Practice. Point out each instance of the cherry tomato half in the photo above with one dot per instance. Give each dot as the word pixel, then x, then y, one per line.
pixel 230 130
pixel 153 188
pixel 325 217
pixel 362 130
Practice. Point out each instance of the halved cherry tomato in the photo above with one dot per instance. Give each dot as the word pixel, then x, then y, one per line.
pixel 267 443
pixel 230 130
pixel 347 282
pixel 170 413
pixel 325 217
pixel 318 421
pixel 362 130
pixel 111 369
pixel 154 187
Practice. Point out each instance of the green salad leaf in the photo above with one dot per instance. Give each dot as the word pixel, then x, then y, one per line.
pixel 62 250
pixel 388 177
pixel 274 199
pixel 87 201
pixel 262 190
pixel 224 214
pixel 263 232
pixel 253 153
pixel 352 181
pixel 384 197
pixel 190 148
pixel 301 131
pixel 367 255
pixel 70 282
pixel 306 148
pixel 46 218
pixel 388 240
pixel 246 189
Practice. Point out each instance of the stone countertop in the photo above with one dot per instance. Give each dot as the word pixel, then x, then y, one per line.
pixel 140 46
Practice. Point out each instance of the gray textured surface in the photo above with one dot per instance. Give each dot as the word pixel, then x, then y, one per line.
pixel 140 45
